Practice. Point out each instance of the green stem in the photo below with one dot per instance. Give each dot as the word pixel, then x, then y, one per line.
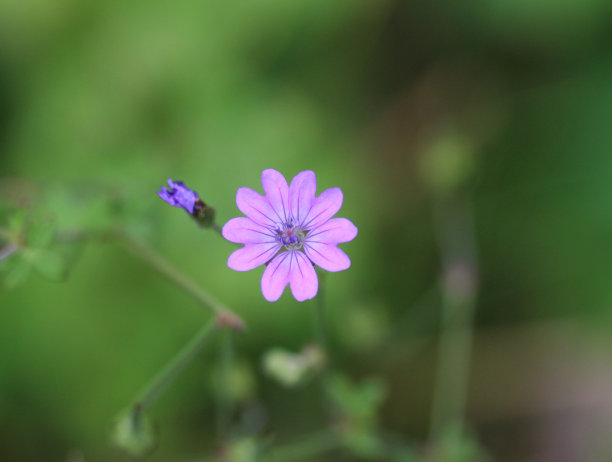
pixel 457 247
pixel 224 392
pixel 320 320
pixel 166 269
pixel 160 382
pixel 215 227
pixel 224 317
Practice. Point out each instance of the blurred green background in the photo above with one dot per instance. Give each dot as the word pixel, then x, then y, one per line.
pixel 476 124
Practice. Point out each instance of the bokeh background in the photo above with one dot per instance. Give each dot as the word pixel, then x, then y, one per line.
pixel 472 141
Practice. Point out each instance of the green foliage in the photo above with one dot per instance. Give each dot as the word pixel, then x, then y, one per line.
pixel 48 236
pixel 357 406
pixel 37 246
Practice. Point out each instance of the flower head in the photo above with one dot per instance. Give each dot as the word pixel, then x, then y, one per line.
pixel 290 230
pixel 179 195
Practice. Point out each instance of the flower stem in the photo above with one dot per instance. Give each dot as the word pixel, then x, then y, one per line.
pixel 166 269
pixel 215 227
pixel 224 391
pixel 320 319
pixel 459 283
pixel 160 382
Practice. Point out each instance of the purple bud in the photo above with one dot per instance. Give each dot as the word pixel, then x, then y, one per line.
pixel 179 195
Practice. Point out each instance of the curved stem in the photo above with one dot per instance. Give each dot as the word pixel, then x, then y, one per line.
pixel 225 315
pixel 160 382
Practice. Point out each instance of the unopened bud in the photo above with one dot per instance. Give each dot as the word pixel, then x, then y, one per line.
pixel 177 194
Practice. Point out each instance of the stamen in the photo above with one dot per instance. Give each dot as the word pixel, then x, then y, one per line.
pixel 290 237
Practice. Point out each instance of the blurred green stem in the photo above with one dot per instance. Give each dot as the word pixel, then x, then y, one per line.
pixel 223 318
pixel 224 391
pixel 456 242
pixel 160 382
pixel 320 318
pixel 224 315
pixel 215 227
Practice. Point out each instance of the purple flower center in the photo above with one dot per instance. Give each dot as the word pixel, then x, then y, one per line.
pixel 290 236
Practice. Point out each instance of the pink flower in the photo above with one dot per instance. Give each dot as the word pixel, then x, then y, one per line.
pixel 289 230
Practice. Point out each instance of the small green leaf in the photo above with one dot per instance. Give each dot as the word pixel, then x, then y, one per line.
pixel 291 369
pixel 49 264
pixel 15 270
pixel 357 406
pixel 360 402
pixel 134 433
pixel 17 221
pixel 40 234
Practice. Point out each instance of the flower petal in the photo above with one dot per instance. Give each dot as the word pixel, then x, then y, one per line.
pixel 327 256
pixel 277 193
pixel 251 256
pixel 302 277
pixel 333 231
pixel 256 207
pixel 243 230
pixel 302 195
pixel 276 277
pixel 324 207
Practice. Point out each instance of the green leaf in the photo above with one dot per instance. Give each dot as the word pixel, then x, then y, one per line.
pixel 17 221
pixel 36 247
pixel 358 406
pixel 15 270
pixel 360 402
pixel 40 234
pixel 49 264
pixel 291 369
pixel 134 433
